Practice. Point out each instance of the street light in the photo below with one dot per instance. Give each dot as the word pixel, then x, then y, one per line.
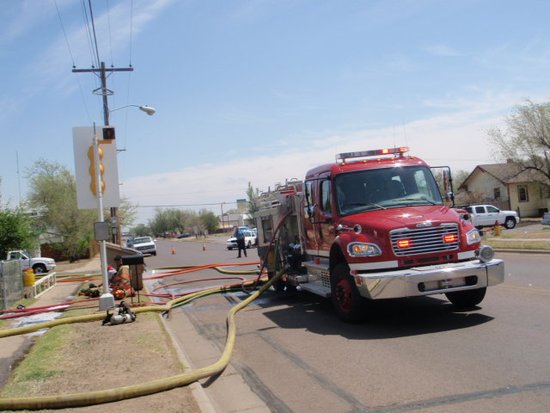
pixel 145 108
pixel 117 236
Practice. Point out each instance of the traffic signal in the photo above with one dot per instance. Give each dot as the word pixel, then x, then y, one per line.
pixel 93 176
pixel 108 133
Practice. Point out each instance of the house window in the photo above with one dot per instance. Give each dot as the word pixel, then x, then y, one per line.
pixel 496 193
pixel 523 193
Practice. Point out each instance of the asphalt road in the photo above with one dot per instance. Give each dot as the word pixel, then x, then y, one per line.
pixel 416 355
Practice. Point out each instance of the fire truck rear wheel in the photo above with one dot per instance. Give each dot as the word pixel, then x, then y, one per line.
pixel 468 298
pixel 347 301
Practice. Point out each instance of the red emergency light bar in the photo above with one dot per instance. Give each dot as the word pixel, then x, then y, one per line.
pixel 372 153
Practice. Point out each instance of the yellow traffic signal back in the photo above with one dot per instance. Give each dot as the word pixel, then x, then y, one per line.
pixel 92 170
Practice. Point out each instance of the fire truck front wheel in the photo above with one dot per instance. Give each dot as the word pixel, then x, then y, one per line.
pixel 347 301
pixel 467 298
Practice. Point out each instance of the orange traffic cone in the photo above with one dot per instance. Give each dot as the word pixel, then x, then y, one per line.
pixel 173 251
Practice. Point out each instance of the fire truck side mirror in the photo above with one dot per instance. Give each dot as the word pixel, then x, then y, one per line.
pixel 451 198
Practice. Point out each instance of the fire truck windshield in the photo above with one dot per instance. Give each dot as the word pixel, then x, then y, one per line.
pixel 385 188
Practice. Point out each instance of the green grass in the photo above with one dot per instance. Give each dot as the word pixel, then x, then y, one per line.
pixel 40 364
pixel 523 244
pixel 518 239
pixel 27 302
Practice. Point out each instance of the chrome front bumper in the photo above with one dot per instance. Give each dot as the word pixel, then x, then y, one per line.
pixel 434 279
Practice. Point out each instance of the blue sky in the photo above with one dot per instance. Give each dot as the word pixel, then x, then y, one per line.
pixel 261 90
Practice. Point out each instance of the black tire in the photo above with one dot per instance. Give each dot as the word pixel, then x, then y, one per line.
pixel 229 248
pixel 510 223
pixel 249 244
pixel 467 298
pixel 347 301
pixel 39 269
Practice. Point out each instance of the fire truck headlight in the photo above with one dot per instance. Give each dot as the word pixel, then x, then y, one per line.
pixel 473 237
pixel 486 253
pixel 363 249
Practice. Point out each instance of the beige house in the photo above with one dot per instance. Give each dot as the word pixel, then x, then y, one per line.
pixel 506 187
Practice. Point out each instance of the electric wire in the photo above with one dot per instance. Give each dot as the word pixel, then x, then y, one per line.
pixel 64 32
pixel 86 110
pixel 88 34
pixel 94 32
pixel 131 29
pixel 107 5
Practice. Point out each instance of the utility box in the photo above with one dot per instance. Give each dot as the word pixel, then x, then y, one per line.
pixel 136 266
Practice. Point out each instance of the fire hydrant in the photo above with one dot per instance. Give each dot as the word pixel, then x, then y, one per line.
pixel 498 229
pixel 28 277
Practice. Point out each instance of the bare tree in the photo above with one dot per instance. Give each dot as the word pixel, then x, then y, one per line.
pixel 526 139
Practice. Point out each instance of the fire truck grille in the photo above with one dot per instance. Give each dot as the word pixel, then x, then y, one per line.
pixel 406 242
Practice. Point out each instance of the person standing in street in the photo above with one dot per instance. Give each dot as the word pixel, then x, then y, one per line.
pixel 239 235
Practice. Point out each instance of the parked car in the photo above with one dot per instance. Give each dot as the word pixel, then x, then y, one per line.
pixel 145 245
pixel 249 240
pixel 40 265
pixel 488 215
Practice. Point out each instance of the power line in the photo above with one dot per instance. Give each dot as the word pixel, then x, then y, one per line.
pixel 131 29
pixel 73 61
pixel 109 30
pixel 184 205
pixel 88 34
pixel 93 30
pixel 64 32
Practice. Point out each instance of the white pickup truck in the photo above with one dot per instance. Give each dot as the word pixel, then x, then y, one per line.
pixel 488 215
pixel 40 265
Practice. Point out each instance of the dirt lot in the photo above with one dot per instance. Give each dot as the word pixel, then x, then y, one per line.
pixel 89 356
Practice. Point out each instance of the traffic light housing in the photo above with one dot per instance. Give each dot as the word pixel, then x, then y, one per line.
pixel 109 133
pixel 92 170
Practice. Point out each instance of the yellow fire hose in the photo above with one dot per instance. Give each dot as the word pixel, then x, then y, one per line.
pixel 128 392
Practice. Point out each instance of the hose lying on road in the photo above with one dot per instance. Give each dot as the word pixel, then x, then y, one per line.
pixel 155 386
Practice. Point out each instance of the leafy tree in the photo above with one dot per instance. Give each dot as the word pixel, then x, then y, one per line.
pixel 209 220
pixel 167 220
pixel 459 177
pixel 53 194
pixel 141 230
pixel 17 231
pixel 526 139
pixel 252 194
pixel 176 220
pixel 127 212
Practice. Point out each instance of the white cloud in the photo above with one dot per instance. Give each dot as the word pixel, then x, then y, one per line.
pixel 458 139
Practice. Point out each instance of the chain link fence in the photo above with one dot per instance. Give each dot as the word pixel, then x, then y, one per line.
pixel 11 283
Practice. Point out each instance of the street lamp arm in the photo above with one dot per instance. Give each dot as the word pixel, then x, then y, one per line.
pixel 147 109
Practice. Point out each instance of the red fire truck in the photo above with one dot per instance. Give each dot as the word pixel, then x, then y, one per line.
pixel 373 225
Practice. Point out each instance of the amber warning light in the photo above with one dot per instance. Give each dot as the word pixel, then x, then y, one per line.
pixel 404 243
pixel 450 238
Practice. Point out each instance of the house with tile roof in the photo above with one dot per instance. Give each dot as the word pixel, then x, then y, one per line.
pixel 507 186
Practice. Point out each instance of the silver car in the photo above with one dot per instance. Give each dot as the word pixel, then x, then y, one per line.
pixel 249 240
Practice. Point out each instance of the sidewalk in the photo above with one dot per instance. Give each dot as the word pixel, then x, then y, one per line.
pixel 138 362
pixel 14 348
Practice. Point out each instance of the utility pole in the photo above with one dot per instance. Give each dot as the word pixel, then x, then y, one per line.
pixel 104 92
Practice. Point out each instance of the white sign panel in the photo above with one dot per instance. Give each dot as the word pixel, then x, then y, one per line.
pixel 83 139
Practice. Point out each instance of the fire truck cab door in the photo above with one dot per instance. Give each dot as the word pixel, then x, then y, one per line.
pixel 310 218
pixel 325 226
